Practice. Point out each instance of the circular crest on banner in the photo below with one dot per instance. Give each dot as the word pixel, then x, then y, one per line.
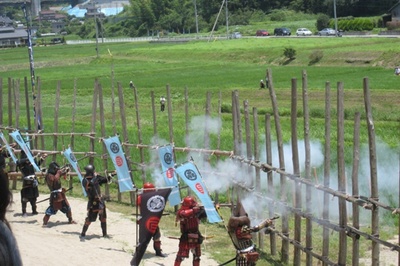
pixel 156 203
pixel 168 158
pixel 190 174
pixel 114 147
pixel 72 157
pixel 19 138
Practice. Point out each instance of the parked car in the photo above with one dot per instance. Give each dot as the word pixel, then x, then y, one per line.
pixel 236 35
pixel 327 32
pixel 282 32
pixel 303 32
pixel 262 33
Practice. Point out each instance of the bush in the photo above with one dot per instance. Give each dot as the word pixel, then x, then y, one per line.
pixel 289 53
pixel 316 56
pixel 322 21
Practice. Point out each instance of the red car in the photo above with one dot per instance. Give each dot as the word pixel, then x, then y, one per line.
pixel 262 33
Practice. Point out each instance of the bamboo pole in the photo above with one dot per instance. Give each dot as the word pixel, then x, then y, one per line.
pixel 327 167
pixel 257 170
pixel 355 190
pixel 373 171
pixel 341 175
pixel 153 109
pixel 170 123
pixel 270 188
pixel 249 150
pixel 10 111
pixel 219 134
pixel 17 104
pixel 206 123
pixel 94 113
pixel 28 109
pixel 39 111
pixel 296 171
pixel 309 228
pixel 103 134
pixel 56 113
pixel 139 132
pixel 125 137
pixel 285 220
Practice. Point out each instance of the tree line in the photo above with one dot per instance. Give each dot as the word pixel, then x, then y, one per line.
pixel 147 16
pixel 155 17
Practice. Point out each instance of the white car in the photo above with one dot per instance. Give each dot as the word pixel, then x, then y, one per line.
pixel 303 32
pixel 327 32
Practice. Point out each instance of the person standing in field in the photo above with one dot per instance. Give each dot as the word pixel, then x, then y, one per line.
pixel 189 216
pixel 96 205
pixel 131 85
pixel 29 191
pixel 58 199
pixel 162 103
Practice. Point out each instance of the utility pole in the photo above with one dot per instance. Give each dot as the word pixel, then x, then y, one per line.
pixel 334 15
pixel 226 17
pixel 97 35
pixel 196 18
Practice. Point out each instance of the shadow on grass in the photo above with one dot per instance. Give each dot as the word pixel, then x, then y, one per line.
pixel 272 260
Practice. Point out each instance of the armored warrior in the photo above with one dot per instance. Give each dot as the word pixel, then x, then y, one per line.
pixel 58 199
pixel 96 205
pixel 239 230
pixel 29 191
pixel 189 216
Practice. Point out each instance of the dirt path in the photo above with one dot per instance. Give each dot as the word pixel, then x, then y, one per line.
pixel 59 243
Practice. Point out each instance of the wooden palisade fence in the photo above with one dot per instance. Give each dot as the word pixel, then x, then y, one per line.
pixel 246 153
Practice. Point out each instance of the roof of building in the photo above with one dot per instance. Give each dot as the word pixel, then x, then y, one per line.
pixel 17 33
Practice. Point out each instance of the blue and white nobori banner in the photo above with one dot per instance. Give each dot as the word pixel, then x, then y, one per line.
pixel 10 151
pixel 168 171
pixel 121 166
pixel 21 142
pixel 190 174
pixel 74 163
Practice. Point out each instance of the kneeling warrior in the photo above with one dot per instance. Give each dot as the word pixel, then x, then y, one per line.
pixel 58 199
pixel 96 205
pixel 240 231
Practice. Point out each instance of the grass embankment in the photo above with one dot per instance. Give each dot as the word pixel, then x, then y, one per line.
pixel 215 67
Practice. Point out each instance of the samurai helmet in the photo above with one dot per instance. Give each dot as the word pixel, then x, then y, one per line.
pixel 53 168
pixel 189 202
pixel 89 169
pixel 148 186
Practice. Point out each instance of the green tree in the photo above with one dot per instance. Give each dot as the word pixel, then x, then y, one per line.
pixel 322 21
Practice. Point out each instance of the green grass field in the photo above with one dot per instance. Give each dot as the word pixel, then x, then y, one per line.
pixel 218 66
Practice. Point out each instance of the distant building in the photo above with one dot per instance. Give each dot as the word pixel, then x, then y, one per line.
pixel 56 19
pixel 12 37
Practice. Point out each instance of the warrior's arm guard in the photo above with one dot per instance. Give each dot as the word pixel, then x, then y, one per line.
pixel 263 224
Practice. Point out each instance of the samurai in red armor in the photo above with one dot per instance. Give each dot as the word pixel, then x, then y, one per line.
pixel 240 231
pixel 96 205
pixel 189 216
pixel 58 199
